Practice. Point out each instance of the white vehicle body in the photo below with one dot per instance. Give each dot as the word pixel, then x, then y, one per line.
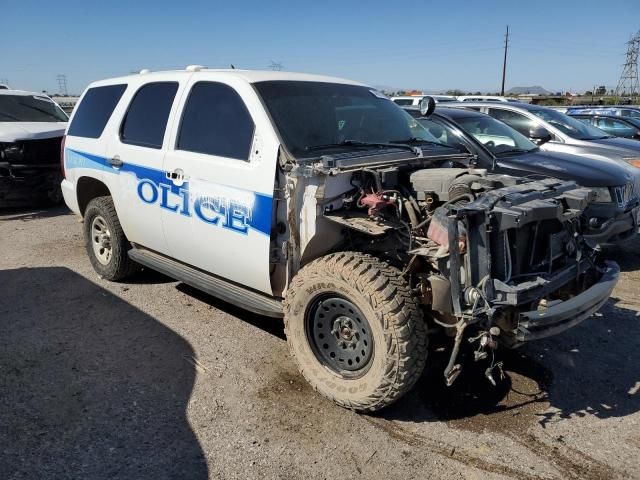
pixel 31 130
pixel 242 238
pixel 11 131
pixel 414 100
pixel 484 98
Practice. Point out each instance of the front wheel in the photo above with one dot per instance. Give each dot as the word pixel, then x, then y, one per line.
pixel 355 330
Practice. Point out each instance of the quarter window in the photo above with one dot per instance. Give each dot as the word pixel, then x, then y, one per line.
pixel 216 122
pixel 94 111
pixel 146 120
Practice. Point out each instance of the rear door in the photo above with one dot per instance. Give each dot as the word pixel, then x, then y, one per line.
pixel 222 165
pixel 135 152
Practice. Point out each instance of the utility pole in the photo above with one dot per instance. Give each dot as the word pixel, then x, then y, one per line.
pixel 504 63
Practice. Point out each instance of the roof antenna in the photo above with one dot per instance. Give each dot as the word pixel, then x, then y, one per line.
pixel 232 67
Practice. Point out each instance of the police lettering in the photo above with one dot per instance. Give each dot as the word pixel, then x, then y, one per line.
pixel 214 210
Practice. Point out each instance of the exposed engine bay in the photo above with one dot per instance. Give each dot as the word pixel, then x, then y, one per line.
pixel 488 256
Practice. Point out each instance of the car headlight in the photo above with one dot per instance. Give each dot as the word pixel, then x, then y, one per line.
pixel 634 161
pixel 603 195
pixel 11 152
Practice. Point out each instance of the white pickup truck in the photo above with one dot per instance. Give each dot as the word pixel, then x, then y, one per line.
pixel 319 200
pixel 31 129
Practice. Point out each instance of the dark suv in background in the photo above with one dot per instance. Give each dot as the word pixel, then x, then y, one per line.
pixel 502 149
pixel 555 131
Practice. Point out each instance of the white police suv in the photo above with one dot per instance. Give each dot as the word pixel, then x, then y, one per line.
pixel 319 200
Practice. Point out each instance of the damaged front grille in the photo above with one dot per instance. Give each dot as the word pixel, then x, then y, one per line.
pixel 31 152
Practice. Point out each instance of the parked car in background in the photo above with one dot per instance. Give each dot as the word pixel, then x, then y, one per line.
pixel 501 149
pixel 557 132
pixel 616 111
pixel 31 130
pixel 485 98
pixel 414 100
pixel 626 127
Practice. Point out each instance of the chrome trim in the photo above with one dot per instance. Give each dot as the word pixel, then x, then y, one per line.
pixel 623 194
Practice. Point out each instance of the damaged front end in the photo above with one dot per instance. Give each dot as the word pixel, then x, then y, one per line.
pixel 492 258
pixel 30 172
pixel 523 271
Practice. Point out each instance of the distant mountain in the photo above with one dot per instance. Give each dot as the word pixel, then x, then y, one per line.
pixel 533 90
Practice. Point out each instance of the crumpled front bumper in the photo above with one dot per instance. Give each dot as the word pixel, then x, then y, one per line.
pixel 616 229
pixel 21 185
pixel 561 316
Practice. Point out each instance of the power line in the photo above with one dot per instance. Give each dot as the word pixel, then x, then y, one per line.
pixel 628 83
pixel 504 63
pixel 62 85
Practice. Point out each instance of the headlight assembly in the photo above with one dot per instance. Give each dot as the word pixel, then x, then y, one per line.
pixel 634 161
pixel 603 195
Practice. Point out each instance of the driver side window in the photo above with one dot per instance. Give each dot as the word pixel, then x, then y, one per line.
pixel 515 120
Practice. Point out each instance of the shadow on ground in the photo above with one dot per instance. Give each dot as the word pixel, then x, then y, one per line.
pixel 90 387
pixel 273 326
pixel 591 369
pixel 26 214
pixel 626 254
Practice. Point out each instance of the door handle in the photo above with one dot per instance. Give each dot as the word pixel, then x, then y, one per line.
pixel 176 176
pixel 115 161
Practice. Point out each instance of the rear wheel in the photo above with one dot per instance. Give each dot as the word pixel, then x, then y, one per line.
pixel 355 330
pixel 105 241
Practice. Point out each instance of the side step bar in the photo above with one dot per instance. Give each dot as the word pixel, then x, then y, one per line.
pixel 223 289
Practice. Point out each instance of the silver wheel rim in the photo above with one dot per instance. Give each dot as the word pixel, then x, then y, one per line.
pixel 101 240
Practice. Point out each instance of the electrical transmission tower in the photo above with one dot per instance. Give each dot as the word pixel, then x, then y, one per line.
pixel 628 84
pixel 276 66
pixel 62 85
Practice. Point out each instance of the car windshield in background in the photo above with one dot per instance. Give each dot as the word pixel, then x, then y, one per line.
pixel 633 121
pixel 316 115
pixel 29 108
pixel 498 137
pixel 569 125
pixel 443 133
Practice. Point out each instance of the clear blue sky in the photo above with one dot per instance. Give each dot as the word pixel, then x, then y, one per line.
pixel 557 44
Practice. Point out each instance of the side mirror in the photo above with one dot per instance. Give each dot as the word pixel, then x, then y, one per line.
pixel 540 135
pixel 427 106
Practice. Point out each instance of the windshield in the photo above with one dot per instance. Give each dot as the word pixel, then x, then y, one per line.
pixel 569 126
pixel 311 116
pixel 634 121
pixel 29 108
pixel 498 137
pixel 444 133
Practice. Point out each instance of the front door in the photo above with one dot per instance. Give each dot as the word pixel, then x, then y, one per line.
pixel 222 168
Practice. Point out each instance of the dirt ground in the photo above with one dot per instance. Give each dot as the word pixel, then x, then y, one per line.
pixel 151 379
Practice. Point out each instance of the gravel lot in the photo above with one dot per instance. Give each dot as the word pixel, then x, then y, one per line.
pixel 152 379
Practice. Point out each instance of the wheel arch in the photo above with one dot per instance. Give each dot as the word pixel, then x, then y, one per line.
pixel 88 188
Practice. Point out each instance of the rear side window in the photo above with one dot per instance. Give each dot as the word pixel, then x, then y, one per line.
pixel 216 122
pixel 94 111
pixel 146 120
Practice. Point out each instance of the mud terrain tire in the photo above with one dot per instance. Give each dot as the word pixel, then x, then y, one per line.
pixel 398 331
